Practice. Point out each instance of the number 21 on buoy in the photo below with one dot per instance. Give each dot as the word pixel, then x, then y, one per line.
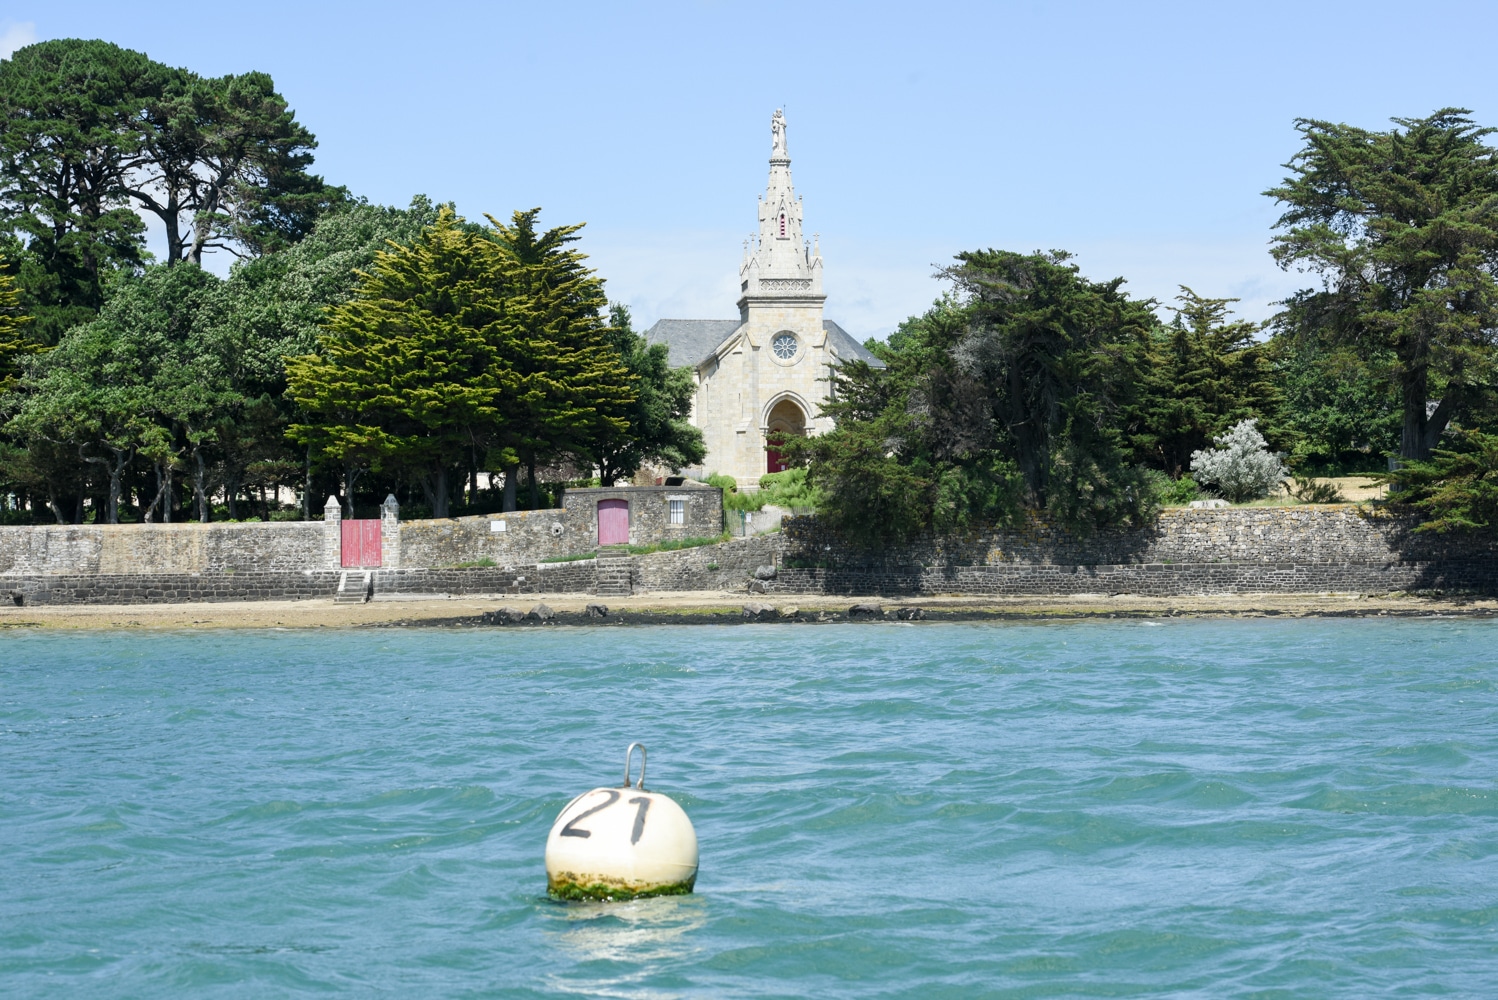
pixel 621 843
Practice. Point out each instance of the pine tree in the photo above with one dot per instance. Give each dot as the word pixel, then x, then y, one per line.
pixel 570 382
pixel 1402 225
pixel 416 364
pixel 1204 373
pixel 14 344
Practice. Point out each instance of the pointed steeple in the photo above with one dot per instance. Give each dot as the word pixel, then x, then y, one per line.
pixel 780 264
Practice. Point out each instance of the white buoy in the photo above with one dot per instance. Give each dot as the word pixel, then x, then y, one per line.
pixel 621 843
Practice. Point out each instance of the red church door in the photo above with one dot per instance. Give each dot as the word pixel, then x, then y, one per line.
pixel 773 460
pixel 613 522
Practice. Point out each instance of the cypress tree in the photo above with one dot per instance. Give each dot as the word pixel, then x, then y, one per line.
pixel 14 344
pixel 414 365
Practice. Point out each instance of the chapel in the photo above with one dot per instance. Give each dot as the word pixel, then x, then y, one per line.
pixel 766 372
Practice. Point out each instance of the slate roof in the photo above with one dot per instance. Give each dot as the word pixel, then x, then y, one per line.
pixel 693 340
pixel 846 346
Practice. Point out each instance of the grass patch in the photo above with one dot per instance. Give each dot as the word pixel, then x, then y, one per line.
pixel 561 559
pixel 672 544
pixel 483 563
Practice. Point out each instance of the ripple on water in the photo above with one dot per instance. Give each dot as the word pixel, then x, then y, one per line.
pixel 1190 808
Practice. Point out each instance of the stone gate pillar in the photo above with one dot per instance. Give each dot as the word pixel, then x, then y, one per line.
pixel 390 533
pixel 332 534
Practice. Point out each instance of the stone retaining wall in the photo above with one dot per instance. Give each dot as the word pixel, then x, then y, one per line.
pixel 166 588
pixel 1341 548
pixel 1245 550
pixel 113 549
pixel 1146 579
pixel 728 566
pixel 528 536
pixel 1333 533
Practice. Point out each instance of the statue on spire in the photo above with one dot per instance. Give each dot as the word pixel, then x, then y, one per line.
pixel 777 134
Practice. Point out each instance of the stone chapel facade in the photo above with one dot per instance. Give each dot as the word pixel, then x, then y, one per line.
pixel 765 372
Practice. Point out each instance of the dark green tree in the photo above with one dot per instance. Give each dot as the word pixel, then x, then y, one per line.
pixel 414 368
pixel 14 343
pixel 657 428
pixel 1203 373
pixel 572 385
pixel 1058 357
pixel 223 163
pixel 1457 488
pixel 140 381
pixel 1402 227
pixel 1009 395
pixel 91 132
pixel 1339 410
pixel 276 305
pixel 68 129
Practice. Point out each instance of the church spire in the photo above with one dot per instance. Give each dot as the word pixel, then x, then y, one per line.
pixel 780 264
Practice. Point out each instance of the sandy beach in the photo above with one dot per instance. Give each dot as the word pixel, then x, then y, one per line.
pixel 716 608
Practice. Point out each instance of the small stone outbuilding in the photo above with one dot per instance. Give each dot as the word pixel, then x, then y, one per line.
pixel 645 515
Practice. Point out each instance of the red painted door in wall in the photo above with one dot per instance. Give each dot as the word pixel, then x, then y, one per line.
pixel 613 522
pixel 361 543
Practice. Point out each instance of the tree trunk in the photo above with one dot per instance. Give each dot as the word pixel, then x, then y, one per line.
pixel 231 492
pixel 122 457
pixel 437 491
pixel 530 471
pixel 350 476
pixel 163 484
pixel 307 487
pixel 512 480
pixel 1413 392
pixel 199 475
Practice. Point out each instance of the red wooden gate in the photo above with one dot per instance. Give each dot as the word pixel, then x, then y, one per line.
pixel 361 543
pixel 613 522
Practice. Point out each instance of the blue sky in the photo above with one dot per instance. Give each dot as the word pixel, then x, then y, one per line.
pixel 1137 136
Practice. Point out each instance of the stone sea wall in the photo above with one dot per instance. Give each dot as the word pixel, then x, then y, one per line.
pixel 1333 548
pixel 528 537
pixel 1340 548
pixel 150 549
pixel 516 539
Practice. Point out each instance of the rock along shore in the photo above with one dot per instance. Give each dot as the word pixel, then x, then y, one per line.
pixel 501 612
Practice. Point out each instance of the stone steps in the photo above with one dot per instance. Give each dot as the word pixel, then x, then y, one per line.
pixel 354 586
pixel 614 569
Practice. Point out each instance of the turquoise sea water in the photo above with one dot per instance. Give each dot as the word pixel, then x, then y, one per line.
pixel 1187 808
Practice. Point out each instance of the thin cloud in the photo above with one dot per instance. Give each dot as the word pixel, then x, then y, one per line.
pixel 15 35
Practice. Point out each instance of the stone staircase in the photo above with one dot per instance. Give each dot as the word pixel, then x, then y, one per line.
pixel 615 569
pixel 355 586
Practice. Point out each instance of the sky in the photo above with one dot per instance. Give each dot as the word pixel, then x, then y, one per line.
pixel 1139 136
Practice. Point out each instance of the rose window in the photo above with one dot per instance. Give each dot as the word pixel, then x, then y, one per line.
pixel 784 346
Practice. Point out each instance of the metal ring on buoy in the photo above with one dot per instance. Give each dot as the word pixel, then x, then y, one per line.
pixel 628 753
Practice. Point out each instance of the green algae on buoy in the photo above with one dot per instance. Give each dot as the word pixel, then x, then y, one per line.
pixel 621 843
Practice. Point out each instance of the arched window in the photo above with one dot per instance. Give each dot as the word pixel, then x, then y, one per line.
pixel 782 225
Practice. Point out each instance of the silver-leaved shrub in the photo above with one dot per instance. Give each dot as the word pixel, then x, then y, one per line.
pixel 1241 467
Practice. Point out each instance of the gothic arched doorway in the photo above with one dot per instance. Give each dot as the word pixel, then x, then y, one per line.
pixel 786 419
